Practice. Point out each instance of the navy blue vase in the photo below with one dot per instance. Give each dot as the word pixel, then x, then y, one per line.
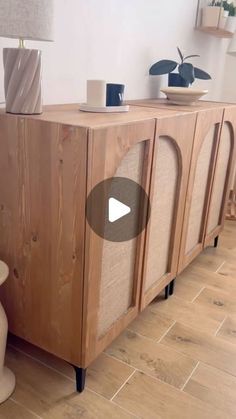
pixel 175 80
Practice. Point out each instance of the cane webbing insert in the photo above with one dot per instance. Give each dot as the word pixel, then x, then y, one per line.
pixel 117 279
pixel 163 203
pixel 220 179
pixel 199 191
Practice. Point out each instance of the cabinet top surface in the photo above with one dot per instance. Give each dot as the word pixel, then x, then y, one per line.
pixel 140 110
pixel 201 105
pixel 70 114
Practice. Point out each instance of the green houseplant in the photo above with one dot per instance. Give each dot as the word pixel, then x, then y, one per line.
pixel 186 75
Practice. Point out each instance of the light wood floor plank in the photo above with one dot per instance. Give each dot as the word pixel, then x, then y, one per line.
pixel 228 329
pixel 51 395
pixel 152 399
pixel 152 358
pixel 104 376
pixel 202 346
pixel 224 303
pixel 11 410
pixel 151 324
pixel 215 387
pixel 207 319
pixel 203 278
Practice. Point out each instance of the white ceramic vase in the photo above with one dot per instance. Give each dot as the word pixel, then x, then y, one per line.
pixel 213 16
pixel 231 24
pixel 7 378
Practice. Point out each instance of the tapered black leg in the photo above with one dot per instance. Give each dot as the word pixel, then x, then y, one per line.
pixel 172 287
pixel 80 374
pixel 216 241
pixel 167 291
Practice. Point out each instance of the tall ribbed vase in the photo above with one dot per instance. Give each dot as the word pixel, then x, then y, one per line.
pixel 22 80
pixel 7 378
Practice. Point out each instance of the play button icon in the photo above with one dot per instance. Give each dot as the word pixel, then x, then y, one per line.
pixel 118 209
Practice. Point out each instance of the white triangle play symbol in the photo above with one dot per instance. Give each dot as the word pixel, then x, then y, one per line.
pixel 117 210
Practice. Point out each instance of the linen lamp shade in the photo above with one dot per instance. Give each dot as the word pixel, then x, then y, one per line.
pixel 27 19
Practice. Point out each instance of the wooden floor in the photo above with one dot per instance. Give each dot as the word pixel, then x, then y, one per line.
pixel 177 361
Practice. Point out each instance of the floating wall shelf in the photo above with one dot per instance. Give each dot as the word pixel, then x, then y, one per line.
pixel 217 32
pixel 217 22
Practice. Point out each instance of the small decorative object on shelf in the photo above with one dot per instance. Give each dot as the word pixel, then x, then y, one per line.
pixel 182 96
pixel 104 98
pixel 216 18
pixel 7 378
pixel 186 75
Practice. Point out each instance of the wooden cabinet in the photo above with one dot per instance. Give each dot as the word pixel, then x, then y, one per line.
pixel 171 163
pixel 201 174
pixel 71 292
pixel 222 177
pixel 113 269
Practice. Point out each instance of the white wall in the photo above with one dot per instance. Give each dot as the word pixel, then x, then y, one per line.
pixel 118 40
pixel 229 81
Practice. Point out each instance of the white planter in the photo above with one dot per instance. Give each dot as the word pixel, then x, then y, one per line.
pixel 7 378
pixel 213 16
pixel 231 24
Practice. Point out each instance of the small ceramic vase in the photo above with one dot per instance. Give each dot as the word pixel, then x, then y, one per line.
pixel 7 378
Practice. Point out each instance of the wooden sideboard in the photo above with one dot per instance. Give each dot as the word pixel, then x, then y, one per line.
pixel 71 292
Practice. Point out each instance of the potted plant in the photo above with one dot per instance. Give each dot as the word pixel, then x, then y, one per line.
pixel 231 20
pixel 186 75
pixel 214 15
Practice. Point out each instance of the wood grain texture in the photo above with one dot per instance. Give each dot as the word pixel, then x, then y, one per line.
pixel 165 225
pixel 162 401
pixel 152 358
pixel 69 114
pixel 51 395
pixel 228 329
pixel 214 387
pixel 12 410
pixel 208 121
pixel 164 104
pixel 222 302
pixel 151 324
pixel 202 346
pixel 104 376
pixel 42 231
pixel 205 318
pixel 107 148
pixel 223 176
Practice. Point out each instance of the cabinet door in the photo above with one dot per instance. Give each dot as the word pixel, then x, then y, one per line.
pixel 200 182
pixel 222 176
pixel 172 155
pixel 113 269
pixel 42 222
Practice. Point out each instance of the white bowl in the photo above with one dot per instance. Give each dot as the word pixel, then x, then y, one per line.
pixel 183 95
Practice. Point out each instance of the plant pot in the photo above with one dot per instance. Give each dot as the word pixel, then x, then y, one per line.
pixel 213 16
pixel 175 80
pixel 231 24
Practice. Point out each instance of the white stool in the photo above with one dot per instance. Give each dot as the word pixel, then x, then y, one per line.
pixel 7 378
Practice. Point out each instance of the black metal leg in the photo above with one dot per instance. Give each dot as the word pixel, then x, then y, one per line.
pixel 80 374
pixel 216 241
pixel 167 291
pixel 172 287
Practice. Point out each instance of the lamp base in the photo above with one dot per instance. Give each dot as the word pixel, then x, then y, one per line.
pixel 22 81
pixel 7 384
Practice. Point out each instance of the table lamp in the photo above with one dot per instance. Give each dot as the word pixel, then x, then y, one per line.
pixel 24 20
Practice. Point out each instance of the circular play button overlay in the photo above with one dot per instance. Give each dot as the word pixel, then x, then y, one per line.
pixel 118 209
